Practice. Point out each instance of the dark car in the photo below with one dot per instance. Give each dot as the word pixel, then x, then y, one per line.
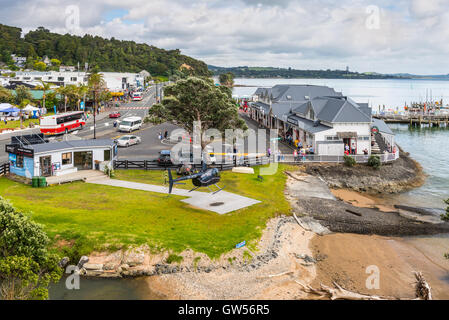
pixel 164 158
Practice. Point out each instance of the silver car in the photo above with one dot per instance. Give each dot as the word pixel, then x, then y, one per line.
pixel 128 140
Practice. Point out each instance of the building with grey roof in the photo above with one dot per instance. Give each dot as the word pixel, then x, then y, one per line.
pixel 60 158
pixel 316 116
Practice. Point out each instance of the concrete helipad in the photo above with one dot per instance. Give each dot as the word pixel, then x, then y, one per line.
pixel 221 202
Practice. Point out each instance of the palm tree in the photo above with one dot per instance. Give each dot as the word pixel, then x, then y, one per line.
pixel 81 92
pixel 64 91
pixel 44 87
pixel 96 86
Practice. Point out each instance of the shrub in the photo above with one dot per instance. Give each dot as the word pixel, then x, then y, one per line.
pixel 445 216
pixel 174 258
pixel 349 161
pixel 374 161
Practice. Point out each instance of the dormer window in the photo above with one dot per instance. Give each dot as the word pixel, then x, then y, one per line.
pixel 289 97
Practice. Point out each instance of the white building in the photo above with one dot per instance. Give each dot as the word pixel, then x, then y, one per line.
pixel 317 116
pixel 115 81
pixel 19 61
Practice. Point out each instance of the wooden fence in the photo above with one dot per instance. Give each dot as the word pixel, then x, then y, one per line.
pixel 4 168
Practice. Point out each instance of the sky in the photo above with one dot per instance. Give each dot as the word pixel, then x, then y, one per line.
pixel 386 36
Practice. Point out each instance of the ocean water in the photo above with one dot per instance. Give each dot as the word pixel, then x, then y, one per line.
pixel 429 146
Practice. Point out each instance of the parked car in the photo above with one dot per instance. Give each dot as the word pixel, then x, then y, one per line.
pixel 115 114
pixel 164 158
pixel 128 140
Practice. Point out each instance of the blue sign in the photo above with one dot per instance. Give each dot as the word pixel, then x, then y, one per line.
pixel 241 244
pixel 12 157
pixel 82 105
pixel 54 107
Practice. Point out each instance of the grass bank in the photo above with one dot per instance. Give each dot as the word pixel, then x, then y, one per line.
pixel 89 216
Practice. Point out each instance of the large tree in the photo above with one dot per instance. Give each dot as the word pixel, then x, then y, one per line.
pixel 26 265
pixel 6 96
pixel 198 99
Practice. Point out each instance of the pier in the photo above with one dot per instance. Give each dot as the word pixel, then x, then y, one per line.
pixel 415 119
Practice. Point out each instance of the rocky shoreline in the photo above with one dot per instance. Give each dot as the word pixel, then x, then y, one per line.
pixel 138 262
pixel 401 175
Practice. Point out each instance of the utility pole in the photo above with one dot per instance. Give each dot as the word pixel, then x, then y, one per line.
pixel 95 112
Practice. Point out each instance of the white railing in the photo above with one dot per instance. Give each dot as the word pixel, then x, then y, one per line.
pixel 308 158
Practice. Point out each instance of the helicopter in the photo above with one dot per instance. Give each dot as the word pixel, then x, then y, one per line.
pixel 205 178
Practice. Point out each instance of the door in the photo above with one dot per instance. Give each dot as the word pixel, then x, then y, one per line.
pixel 83 160
pixel 45 164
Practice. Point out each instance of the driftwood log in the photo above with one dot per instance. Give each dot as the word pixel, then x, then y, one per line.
pixel 422 291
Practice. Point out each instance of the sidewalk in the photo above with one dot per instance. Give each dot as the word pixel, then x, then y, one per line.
pixel 221 202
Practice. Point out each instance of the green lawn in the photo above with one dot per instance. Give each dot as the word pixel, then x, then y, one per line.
pixel 16 124
pixel 102 216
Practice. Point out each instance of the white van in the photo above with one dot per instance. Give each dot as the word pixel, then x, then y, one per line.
pixel 130 124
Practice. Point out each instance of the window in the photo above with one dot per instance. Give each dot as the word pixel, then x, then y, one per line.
pixel 107 155
pixel 67 158
pixel 60 78
pixel 73 79
pixel 19 161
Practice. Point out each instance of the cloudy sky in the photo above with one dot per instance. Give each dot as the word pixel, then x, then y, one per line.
pixel 388 36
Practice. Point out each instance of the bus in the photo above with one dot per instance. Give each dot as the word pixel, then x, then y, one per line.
pixel 62 123
pixel 137 96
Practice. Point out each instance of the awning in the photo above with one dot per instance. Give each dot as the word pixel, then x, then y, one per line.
pixel 346 135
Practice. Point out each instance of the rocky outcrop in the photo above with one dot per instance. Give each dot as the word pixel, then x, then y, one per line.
pixel 399 176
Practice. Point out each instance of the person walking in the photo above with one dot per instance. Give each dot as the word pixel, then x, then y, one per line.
pixel 166 134
pixel 295 155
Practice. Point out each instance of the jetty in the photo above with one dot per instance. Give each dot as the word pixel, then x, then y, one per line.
pixel 416 119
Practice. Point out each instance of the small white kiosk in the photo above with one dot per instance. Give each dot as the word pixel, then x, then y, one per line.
pixel 59 158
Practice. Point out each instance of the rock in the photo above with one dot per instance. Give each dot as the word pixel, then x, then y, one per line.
pixel 83 260
pixel 124 267
pixel 93 266
pixel 64 262
pixel 134 259
pixel 110 266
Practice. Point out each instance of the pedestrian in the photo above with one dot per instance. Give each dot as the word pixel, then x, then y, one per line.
pixel 160 135
pixel 6 121
pixel 295 155
pixel 166 134
pixel 353 149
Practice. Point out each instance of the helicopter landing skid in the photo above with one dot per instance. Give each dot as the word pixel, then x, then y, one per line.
pixel 219 189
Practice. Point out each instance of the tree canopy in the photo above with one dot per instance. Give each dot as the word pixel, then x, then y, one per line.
pixel 108 54
pixel 198 99
pixel 26 265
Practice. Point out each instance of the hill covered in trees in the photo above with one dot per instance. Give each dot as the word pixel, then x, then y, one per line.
pixel 107 54
pixel 270 72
